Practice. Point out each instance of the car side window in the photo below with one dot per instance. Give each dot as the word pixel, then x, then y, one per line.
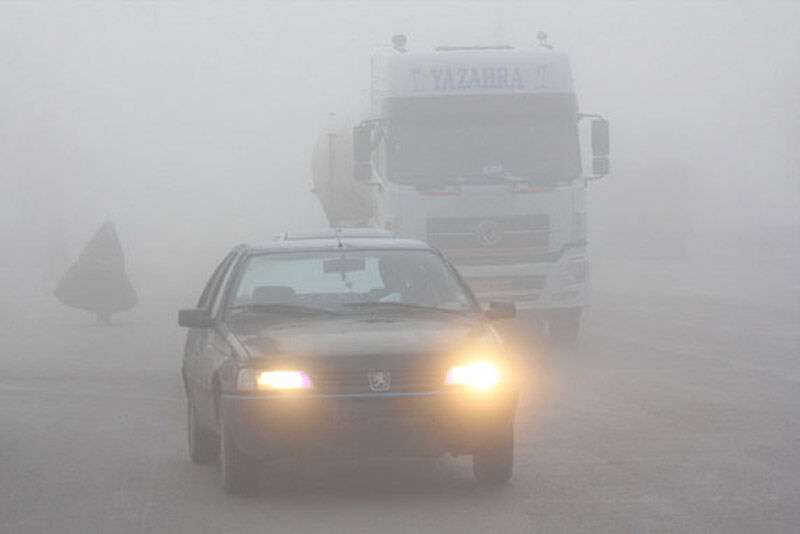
pixel 210 291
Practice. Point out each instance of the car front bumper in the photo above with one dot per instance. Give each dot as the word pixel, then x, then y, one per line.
pixel 401 424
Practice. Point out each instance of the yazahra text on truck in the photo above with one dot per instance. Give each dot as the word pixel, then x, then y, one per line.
pixel 475 150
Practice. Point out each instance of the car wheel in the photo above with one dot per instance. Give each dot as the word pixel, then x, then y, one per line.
pixel 493 463
pixel 239 473
pixel 564 325
pixel 203 445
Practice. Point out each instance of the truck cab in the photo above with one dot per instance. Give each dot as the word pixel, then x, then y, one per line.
pixel 476 150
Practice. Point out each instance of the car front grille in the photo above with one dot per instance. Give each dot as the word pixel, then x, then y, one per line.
pixel 357 381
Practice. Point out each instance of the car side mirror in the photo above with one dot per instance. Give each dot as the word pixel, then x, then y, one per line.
pixel 195 318
pixel 501 310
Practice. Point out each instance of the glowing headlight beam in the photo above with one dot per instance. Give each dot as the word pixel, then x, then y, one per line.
pixel 268 380
pixel 254 379
pixel 481 375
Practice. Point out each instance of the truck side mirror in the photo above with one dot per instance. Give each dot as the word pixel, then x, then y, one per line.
pixel 362 143
pixel 600 138
pixel 600 166
pixel 600 148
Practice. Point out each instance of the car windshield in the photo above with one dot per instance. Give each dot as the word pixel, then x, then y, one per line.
pixel 348 282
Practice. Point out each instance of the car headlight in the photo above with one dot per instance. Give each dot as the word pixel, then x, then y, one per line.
pixel 274 380
pixel 480 375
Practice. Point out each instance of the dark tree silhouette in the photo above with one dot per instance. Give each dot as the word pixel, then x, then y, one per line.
pixel 97 281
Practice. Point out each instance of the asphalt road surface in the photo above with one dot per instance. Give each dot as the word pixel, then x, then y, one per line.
pixel 678 411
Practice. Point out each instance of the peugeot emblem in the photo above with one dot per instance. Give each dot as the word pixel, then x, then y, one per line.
pixel 379 380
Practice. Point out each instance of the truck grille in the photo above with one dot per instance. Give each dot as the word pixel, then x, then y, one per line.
pixel 490 240
pixel 487 284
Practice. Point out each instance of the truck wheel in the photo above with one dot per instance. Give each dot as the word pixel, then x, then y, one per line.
pixel 493 463
pixel 203 445
pixel 239 473
pixel 564 325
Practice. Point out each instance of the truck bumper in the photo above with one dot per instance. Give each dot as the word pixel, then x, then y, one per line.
pixel 423 424
pixel 536 286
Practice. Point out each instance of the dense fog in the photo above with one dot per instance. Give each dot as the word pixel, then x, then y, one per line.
pixel 644 382
pixel 191 126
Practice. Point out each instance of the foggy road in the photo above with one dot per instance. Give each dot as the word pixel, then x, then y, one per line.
pixel 676 412
pixel 639 158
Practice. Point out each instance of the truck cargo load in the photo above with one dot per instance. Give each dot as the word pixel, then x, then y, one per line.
pixel 346 201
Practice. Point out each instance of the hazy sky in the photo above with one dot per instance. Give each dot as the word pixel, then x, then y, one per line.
pixel 191 125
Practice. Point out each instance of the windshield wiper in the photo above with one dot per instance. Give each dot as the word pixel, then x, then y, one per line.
pixel 280 308
pixel 403 306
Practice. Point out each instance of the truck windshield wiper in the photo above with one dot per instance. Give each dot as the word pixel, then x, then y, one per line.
pixel 280 308
pixel 403 306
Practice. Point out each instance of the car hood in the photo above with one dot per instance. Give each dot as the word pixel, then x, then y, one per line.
pixel 357 339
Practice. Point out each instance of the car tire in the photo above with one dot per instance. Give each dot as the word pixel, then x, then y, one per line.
pixel 564 325
pixel 239 473
pixel 493 463
pixel 203 445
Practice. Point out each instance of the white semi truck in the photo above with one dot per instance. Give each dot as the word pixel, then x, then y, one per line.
pixel 475 150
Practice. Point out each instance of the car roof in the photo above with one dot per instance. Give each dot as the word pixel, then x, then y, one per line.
pixel 344 242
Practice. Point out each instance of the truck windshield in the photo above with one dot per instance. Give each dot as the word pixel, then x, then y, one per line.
pixel 542 151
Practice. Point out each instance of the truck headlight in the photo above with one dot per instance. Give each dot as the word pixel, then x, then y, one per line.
pixel 273 380
pixel 480 375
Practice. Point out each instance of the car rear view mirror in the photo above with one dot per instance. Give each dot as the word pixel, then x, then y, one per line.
pixel 195 318
pixel 501 310
pixel 343 265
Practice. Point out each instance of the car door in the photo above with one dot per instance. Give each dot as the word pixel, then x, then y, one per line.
pixel 215 348
pixel 197 372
